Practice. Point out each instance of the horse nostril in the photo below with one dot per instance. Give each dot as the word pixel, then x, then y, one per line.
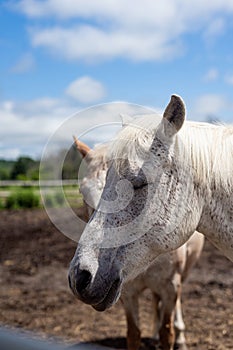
pixel 69 279
pixel 83 279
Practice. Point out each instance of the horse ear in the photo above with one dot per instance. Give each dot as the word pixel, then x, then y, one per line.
pixel 82 147
pixel 126 119
pixel 173 116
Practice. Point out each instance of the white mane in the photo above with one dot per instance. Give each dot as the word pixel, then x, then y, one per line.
pixel 207 148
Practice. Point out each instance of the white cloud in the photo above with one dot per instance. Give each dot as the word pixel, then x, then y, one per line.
pixel 27 126
pixel 124 28
pixel 10 153
pixel 212 105
pixel 117 9
pixel 113 9
pixel 215 29
pixel 86 90
pixel 229 79
pixel 25 63
pixel 211 75
pixel 94 44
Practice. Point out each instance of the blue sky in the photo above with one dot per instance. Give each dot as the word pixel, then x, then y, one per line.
pixel 59 57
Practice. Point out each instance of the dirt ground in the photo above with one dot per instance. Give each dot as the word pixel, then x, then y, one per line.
pixel 34 292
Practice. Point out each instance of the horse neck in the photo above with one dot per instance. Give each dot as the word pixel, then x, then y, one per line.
pixel 212 157
pixel 217 214
pixel 216 224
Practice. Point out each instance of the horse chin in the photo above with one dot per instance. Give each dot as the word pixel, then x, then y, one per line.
pixel 111 297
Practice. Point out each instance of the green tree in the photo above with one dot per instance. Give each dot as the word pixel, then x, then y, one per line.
pixel 21 168
pixel 5 169
pixel 4 175
pixel 71 163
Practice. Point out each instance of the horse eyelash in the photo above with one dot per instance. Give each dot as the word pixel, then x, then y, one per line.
pixel 137 187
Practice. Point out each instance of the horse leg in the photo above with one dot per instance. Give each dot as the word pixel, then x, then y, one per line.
pixel 158 315
pixel 167 330
pixel 180 342
pixel 130 303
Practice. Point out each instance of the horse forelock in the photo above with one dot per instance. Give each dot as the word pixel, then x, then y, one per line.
pixel 133 141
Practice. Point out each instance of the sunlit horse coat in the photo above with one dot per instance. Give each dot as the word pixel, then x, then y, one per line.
pixel 164 278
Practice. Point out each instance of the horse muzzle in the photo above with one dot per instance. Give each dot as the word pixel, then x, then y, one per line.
pixel 96 291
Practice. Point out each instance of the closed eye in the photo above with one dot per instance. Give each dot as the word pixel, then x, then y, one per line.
pixel 139 182
pixel 139 186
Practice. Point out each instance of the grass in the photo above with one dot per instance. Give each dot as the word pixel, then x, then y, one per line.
pixel 15 197
pixel 22 198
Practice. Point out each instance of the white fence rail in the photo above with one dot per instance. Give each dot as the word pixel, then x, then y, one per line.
pixel 44 183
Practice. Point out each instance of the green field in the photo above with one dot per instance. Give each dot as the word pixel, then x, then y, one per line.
pixel 29 196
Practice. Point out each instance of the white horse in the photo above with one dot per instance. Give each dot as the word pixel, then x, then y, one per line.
pixel 165 276
pixel 166 180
